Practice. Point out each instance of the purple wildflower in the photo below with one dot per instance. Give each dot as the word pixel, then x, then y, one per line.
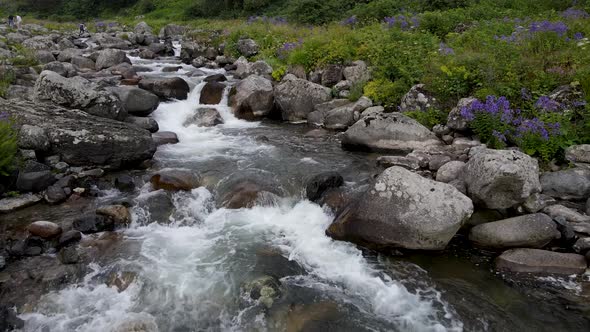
pixel 4 116
pixel 532 126
pixel 498 135
pixel 547 104
pixel 445 50
pixel 559 28
pixel 578 36
pixel 351 21
pixel 575 14
pixel 525 94
pixel 390 21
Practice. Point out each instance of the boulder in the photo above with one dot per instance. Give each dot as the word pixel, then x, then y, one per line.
pixel 537 202
pixel 44 56
pixel 540 261
pixel 164 137
pixel 147 54
pixel 528 231
pixel 417 99
pixel 215 78
pixel 245 68
pixel 204 117
pixel 388 132
pixel 157 205
pixel 175 180
pixel 93 223
pixel 252 98
pixel 68 238
pixel 166 88
pixel 450 171
pixel 39 43
pixel 341 118
pixel 83 62
pixel 124 183
pixel 77 92
pixel 12 204
pixel 212 93
pixel 578 153
pixel 44 229
pixel 404 210
pixel 109 58
pixel 454 120
pixel 33 138
pixel 410 162
pixel 143 28
pixel 247 47
pixel 136 101
pixel 320 183
pixel 331 75
pixel 171 31
pixel 107 41
pixel 118 213
pixel 296 98
pixel 357 73
pixel 62 68
pixel 34 181
pixel 246 189
pixel 148 124
pixel 55 195
pixel 573 183
pixel 500 179
pixel 571 215
pixel 67 54
pixel 82 139
pixel 191 50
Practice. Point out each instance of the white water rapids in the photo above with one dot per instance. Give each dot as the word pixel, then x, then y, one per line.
pixel 189 273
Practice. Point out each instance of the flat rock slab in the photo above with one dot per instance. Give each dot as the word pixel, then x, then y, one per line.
pixel 541 261
pixel 15 203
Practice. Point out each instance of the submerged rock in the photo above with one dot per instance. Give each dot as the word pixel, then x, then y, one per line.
pixel 264 290
pixel 529 231
pixel 247 189
pixel 119 213
pixel 541 261
pixel 136 101
pixel 204 117
pixel 164 137
pixel 320 183
pixel 175 180
pixel 404 210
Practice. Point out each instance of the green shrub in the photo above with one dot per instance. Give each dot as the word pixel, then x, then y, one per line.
pixel 6 79
pixel 8 144
pixel 428 118
pixel 356 91
pixel 385 92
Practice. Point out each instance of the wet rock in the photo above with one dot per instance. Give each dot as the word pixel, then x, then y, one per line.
pixel 164 137
pixel 588 206
pixel 252 97
pixel 93 223
pixel 320 183
pixel 11 204
pixel 55 195
pixel 109 58
pixel 61 166
pixel 121 280
pixel 417 99
pixel 34 181
pixel 9 320
pixel 320 316
pixel 67 54
pixel 501 179
pixel 265 290
pixel 175 180
pixel 212 93
pixel 68 255
pixel 388 132
pixel 204 117
pixel 450 171
pixel 118 213
pixel 148 124
pixel 156 207
pixel 147 54
pixel 528 231
pixel 68 238
pixel 215 78
pixel 404 210
pixel 537 202
pixel 578 153
pixel 409 163
pixel 171 69
pixel 33 138
pixel 247 47
pixel 357 73
pixel 567 184
pixel 166 88
pixel 454 120
pixel 124 183
pixel 570 215
pixel 141 323
pixel 582 245
pixel 247 189
pixel 568 235
pixel 270 261
pixel 93 173
pixel 296 98
pixel 482 216
pixel 44 229
pixel 78 93
pixel 343 117
pixel 136 101
pixel 540 261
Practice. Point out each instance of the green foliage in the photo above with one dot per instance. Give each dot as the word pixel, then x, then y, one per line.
pixel 7 77
pixel 24 57
pixel 484 126
pixel 428 118
pixel 356 91
pixel 385 92
pixel 8 145
pixel 279 72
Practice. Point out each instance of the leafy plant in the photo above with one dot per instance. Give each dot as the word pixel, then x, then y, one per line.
pixel 8 144
pixel 428 118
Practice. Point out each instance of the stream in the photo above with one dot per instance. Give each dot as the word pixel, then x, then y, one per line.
pixel 188 272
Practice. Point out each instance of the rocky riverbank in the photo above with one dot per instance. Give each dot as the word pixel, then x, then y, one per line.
pixel 82 116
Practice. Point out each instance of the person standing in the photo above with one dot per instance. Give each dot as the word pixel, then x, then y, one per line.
pixel 19 21
pixel 82 29
pixel 10 21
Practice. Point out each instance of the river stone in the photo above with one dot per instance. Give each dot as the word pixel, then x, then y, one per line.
pixel 454 120
pixel 136 101
pixel 68 255
pixel 528 231
pixel 156 205
pixel 404 210
pixel 450 171
pixel 66 55
pixel 588 206
pixel 82 139
pixel 9 320
pixel 83 62
pixel 44 229
pixel 147 54
pixel 39 43
pixel 171 31
pixel 166 88
pixel 388 132
pixel 164 137
pixel 296 98
pixel 541 261
pixel 93 223
pixel 204 117
pixel 124 183
pixel 175 180
pixel 252 97
pixel 265 290
pixel 409 163
pixel 578 153
pixel 77 92
pixel 320 183
pixel 44 56
pixel 33 138
pixel 247 47
pixel 341 118
pixel 331 75
pixel 11 204
pixel 500 179
pixel 142 28
pixel 109 58
pixel 70 237
pixel 62 68
pixel 148 124
pixel 570 215
pixel 34 181
pixel 248 188
pixel 571 183
pixel 136 323
pixel 55 195
pixel 119 213
pixel 212 93
pixel 537 202
pixel 437 161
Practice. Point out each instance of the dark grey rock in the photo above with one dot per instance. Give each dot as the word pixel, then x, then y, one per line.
pixel 34 181
pixel 320 183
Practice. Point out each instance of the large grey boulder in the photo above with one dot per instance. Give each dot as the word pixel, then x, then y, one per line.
pixel 454 120
pixel 450 171
pixel 296 98
pixel 245 68
pixel 106 41
pixel 388 132
pixel 143 28
pixel 77 92
pixel 67 54
pixel 578 153
pixel 571 183
pixel 40 43
pixel 136 101
pixel 252 97
pixel 83 62
pixel 109 58
pixel 541 261
pixel 528 231
pixel 146 123
pixel 500 179
pixel 34 181
pixel 62 68
pixel 44 56
pixel 190 50
pixel 343 117
pixel 417 99
pixel 212 93
pixel 248 47
pixel 357 73
pixel 166 88
pixel 172 31
pixel 82 139
pixel 404 210
pixel 33 138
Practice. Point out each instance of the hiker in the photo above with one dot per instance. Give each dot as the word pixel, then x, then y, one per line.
pixel 11 21
pixel 19 20
pixel 82 29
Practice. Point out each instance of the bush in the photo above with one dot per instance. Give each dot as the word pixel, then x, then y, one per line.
pixel 5 80
pixel 428 118
pixel 8 144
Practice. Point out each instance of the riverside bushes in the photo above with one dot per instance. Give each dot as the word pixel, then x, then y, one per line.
pixel 8 145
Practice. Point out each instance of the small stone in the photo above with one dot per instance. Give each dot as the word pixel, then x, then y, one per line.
pixel 119 213
pixel 124 183
pixel 69 237
pixel 68 255
pixel 61 166
pixel 122 280
pixel 93 223
pixel 44 229
pixel 537 202
pixel 570 215
pixel 410 163
pixel 55 195
pixel 164 137
pixel 582 245
pixel 450 171
pixel 541 261
pixel 94 173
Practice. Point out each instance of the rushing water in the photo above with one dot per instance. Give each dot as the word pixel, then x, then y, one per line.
pixel 189 275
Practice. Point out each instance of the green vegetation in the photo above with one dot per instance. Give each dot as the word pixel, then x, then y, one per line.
pixel 8 145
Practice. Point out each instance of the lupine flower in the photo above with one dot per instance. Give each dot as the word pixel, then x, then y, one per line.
pixel 532 126
pixel 286 48
pixel 4 116
pixel 402 21
pixel 547 104
pixel 445 50
pixel 575 14
pixel 559 28
pixel 578 36
pixel 351 21
pixel 113 24
pixel 525 94
pixel 498 135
